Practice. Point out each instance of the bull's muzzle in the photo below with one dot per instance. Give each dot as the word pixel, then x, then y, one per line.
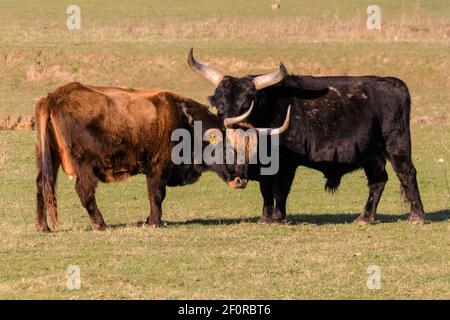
pixel 238 183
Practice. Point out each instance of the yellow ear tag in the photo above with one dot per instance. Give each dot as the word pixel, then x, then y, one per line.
pixel 212 139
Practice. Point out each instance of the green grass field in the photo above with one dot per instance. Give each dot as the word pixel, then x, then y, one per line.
pixel 213 246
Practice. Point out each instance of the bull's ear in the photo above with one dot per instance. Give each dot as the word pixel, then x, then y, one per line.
pixel 212 101
pixel 187 116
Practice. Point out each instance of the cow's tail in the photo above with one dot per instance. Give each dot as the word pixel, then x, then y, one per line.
pixel 48 174
pixel 407 108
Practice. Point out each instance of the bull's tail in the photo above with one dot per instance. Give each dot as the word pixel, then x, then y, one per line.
pixel 47 168
pixel 406 101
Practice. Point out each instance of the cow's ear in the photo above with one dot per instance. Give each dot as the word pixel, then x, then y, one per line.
pixel 212 101
pixel 187 116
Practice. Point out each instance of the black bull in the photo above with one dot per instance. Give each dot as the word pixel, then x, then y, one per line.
pixel 338 125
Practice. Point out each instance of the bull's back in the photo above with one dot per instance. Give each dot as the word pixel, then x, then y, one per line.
pixel 118 132
pixel 313 83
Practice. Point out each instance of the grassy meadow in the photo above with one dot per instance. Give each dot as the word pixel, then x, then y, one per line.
pixel 213 246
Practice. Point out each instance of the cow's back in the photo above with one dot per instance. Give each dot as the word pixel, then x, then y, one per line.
pixel 118 132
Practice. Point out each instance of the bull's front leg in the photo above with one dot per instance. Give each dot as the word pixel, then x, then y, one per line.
pixel 85 187
pixel 266 187
pixel 156 194
pixel 279 212
pixel 282 186
pixel 377 177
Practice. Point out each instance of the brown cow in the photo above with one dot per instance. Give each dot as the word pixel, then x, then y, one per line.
pixel 107 134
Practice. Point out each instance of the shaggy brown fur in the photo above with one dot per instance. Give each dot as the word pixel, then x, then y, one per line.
pixel 107 134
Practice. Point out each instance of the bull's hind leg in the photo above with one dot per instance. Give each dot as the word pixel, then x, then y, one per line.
pixel 85 187
pixel 406 172
pixel 41 215
pixel 399 150
pixel 377 177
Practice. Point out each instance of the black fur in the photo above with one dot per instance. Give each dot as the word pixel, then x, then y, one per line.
pixel 338 125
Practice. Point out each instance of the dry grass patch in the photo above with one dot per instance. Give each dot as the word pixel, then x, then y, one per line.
pixel 429 120
pixel 21 123
pixel 35 73
pixel 410 26
pixel 3 154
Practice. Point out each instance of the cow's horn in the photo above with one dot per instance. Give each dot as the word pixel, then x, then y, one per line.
pixel 279 130
pixel 228 122
pixel 207 72
pixel 270 79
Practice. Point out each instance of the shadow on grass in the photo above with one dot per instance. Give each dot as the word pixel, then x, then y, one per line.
pixel 317 219
pixel 124 225
pixel 320 219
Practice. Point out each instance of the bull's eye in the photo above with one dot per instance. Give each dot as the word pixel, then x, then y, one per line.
pixel 212 139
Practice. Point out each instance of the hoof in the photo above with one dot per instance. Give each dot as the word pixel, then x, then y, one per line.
pixel 363 220
pixel 265 221
pixel 44 228
pixel 417 219
pixel 159 225
pixel 101 227
pixel 280 221
pixel 156 224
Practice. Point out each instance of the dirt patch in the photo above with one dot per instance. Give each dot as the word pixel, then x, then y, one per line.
pixel 24 123
pixel 37 72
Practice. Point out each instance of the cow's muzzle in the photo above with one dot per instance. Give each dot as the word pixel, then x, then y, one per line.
pixel 238 183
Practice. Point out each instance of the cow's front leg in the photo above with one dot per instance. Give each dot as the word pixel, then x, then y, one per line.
pixel 266 187
pixel 279 212
pixel 85 187
pixel 281 189
pixel 399 150
pixel 377 178
pixel 156 194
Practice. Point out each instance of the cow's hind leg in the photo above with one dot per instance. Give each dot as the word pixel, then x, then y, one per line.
pixel 406 172
pixel 377 177
pixel 399 150
pixel 41 215
pixel 85 187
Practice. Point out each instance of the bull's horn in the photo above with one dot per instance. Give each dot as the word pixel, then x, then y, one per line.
pixel 207 72
pixel 279 130
pixel 228 122
pixel 270 79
